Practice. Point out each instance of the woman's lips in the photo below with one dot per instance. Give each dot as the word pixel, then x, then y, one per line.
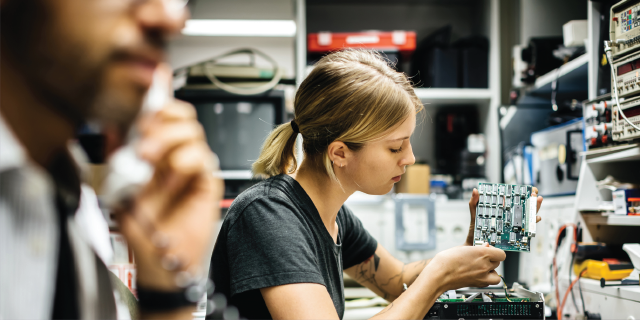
pixel 396 178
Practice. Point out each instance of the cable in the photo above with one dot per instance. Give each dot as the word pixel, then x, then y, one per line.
pixel 584 310
pixel 607 50
pixel 559 312
pixel 555 267
pixel 573 297
pixel 207 67
pixel 504 283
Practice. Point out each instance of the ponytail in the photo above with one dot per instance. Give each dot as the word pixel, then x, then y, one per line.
pixel 277 153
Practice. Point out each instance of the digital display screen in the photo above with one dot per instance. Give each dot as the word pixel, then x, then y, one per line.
pixel 628 67
pixel 631 112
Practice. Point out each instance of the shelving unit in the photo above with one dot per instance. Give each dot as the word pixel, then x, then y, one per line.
pixel 576 68
pixel 630 152
pixel 610 302
pixel 578 80
pixel 424 17
pixel 611 220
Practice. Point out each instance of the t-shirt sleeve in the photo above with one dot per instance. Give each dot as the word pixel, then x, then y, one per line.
pixel 268 245
pixel 358 244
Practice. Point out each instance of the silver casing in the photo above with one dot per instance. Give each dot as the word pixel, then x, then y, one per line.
pixel 625 28
pixel 629 83
pixel 621 130
pixel 556 161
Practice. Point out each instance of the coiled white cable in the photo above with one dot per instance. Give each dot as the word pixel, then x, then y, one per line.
pixel 207 67
pixel 607 50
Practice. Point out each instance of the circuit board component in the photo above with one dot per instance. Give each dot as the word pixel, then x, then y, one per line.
pixel 505 216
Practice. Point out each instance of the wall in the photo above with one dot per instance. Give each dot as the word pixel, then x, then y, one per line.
pixel 540 18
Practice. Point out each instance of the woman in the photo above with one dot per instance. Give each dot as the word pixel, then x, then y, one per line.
pixel 286 241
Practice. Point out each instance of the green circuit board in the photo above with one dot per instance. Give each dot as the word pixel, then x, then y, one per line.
pixel 505 216
pixel 492 299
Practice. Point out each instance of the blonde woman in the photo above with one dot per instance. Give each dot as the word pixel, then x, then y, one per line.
pixel 286 241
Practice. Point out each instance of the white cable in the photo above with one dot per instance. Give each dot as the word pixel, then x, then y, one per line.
pixel 607 50
pixel 208 65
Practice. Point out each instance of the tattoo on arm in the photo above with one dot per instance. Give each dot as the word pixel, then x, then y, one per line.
pixel 392 287
pixel 386 309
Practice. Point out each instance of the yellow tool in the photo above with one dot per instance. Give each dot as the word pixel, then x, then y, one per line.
pixel 602 269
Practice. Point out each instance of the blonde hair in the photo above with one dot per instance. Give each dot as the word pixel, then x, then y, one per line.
pixel 352 96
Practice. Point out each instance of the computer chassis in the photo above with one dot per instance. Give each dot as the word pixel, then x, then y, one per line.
pixel 489 303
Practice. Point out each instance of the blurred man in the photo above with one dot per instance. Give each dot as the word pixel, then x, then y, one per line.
pixel 64 63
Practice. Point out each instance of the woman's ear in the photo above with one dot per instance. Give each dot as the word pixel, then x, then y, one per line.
pixel 338 153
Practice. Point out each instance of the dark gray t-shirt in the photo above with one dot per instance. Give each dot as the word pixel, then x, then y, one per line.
pixel 273 235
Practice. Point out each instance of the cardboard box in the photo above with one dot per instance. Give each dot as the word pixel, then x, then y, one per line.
pixel 417 179
pixel 621 200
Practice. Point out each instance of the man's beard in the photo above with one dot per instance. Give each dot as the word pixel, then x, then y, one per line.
pixel 69 84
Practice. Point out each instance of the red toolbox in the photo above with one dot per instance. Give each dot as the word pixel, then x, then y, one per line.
pixel 403 42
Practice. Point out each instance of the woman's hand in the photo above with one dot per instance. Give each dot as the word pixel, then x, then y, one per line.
pixel 473 204
pixel 467 266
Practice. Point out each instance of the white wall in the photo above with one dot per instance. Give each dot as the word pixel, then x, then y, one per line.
pixel 542 18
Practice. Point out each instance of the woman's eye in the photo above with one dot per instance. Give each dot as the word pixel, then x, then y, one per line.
pixel 396 150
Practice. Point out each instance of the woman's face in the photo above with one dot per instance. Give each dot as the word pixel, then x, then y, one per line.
pixel 376 167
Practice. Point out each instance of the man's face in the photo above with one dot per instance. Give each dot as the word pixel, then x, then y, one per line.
pixel 90 59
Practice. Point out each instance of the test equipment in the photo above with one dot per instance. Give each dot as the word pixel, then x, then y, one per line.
pixel 505 216
pixel 624 28
pixel 488 303
pixel 556 161
pixel 621 130
pixel 627 74
pixel 597 122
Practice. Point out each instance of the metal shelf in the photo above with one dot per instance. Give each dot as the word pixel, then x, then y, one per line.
pixel 624 292
pixel 611 219
pixel 614 154
pixel 620 220
pixel 571 83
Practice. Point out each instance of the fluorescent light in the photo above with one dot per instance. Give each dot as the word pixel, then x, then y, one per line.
pixel 240 28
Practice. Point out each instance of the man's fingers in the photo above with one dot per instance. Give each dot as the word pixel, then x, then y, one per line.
pixel 186 162
pixel 157 143
pixel 175 110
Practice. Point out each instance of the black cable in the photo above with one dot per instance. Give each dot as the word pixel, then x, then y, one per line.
pixel 584 310
pixel 573 297
pixel 504 283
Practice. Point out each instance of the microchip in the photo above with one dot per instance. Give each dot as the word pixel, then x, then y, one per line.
pixel 500 201
pixel 494 200
pixel 517 217
pixel 499 213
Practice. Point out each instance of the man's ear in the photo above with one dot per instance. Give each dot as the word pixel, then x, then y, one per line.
pixel 338 153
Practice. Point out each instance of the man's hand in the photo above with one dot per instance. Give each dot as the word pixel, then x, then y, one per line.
pixel 181 201
pixel 473 203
